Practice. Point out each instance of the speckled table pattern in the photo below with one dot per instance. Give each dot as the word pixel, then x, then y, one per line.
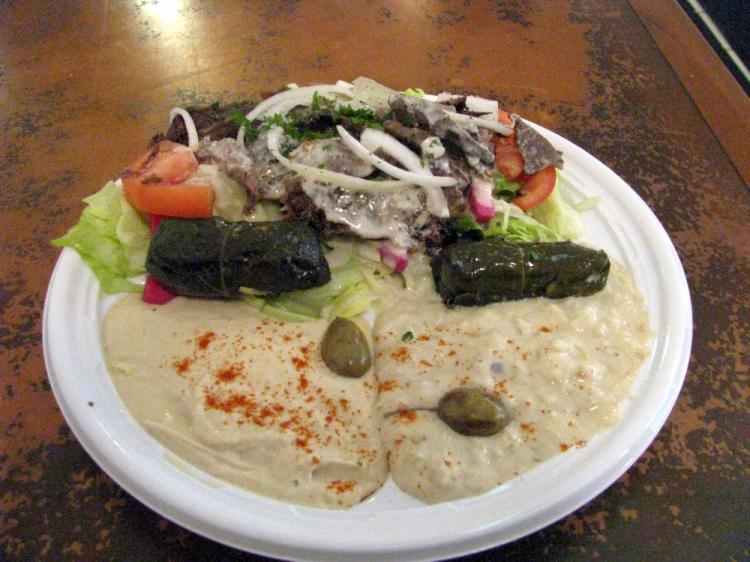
pixel 84 85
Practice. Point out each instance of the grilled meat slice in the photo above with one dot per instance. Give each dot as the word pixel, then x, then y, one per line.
pixel 537 151
pixel 210 120
pixel 413 111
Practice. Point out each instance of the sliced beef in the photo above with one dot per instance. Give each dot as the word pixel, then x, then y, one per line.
pixel 413 137
pixel 210 120
pixel 331 154
pixel 537 151
pixel 298 206
pixel 325 121
pixel 257 170
pixel 413 111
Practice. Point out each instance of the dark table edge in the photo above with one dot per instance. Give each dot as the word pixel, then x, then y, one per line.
pixel 718 96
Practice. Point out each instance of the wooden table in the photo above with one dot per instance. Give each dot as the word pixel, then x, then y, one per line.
pixel 83 86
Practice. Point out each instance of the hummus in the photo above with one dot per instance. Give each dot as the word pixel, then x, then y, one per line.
pixel 249 400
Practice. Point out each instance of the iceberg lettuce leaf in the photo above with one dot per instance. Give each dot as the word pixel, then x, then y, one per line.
pixel 111 238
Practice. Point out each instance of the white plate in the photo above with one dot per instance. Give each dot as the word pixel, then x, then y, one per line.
pixel 390 526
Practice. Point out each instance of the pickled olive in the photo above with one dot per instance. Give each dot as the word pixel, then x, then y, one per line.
pixel 471 411
pixel 345 349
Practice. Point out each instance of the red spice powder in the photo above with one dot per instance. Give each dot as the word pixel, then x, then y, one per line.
pixel 385 386
pixel 401 355
pixel 205 340
pixel 425 363
pixel 229 373
pixel 545 329
pixel 303 382
pixel 529 427
pixel 183 365
pixel 407 416
pixel 423 338
pixel 564 447
pixel 341 486
pixel 231 403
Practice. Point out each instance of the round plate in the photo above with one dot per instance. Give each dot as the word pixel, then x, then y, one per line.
pixel 391 525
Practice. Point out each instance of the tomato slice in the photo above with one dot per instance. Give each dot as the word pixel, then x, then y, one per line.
pixel 156 183
pixel 166 161
pixel 536 188
pixel 172 200
pixel 508 160
pixel 504 117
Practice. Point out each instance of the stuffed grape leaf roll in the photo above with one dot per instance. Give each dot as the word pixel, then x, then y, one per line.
pixel 475 273
pixel 214 258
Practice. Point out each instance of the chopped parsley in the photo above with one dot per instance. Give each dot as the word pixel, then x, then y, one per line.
pixel 408 336
pixel 294 124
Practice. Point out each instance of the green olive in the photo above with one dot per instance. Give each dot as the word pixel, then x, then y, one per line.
pixel 471 411
pixel 345 349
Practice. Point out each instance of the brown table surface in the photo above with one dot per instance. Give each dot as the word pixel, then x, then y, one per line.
pixel 83 85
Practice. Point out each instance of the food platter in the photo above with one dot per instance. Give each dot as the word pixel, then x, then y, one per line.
pixel 390 525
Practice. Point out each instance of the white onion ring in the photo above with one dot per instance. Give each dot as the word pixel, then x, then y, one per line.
pixel 351 183
pixel 192 132
pixel 373 140
pixel 419 179
pixel 291 99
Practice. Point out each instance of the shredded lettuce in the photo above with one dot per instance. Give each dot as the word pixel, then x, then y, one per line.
pixel 558 215
pixel 112 238
pixel 415 92
pixel 347 294
pixel 504 188
pixel 510 223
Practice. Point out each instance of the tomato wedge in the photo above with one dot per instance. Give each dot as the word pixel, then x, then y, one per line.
pixel 172 200
pixel 504 117
pixel 508 160
pixel 156 183
pixel 536 188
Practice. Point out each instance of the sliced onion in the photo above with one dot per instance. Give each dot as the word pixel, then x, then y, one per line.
pixel 393 257
pixel 372 93
pixel 319 175
pixel 192 132
pixel 475 104
pixel 481 204
pixel 373 140
pixel 419 179
pixel 291 99
pixel 484 123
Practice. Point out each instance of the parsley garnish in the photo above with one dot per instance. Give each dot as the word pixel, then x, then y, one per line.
pixel 293 124
pixel 408 336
